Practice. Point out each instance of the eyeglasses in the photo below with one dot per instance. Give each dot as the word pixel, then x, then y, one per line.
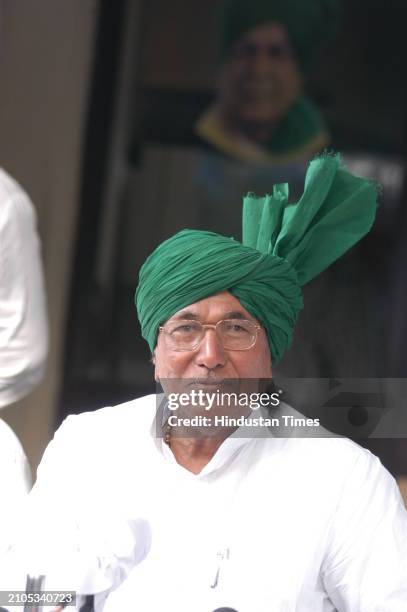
pixel 278 51
pixel 234 334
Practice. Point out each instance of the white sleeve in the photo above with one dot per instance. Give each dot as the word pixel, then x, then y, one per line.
pixel 15 483
pixel 366 568
pixel 78 542
pixel 23 317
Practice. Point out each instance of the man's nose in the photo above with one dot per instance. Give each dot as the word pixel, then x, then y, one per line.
pixel 211 354
pixel 262 63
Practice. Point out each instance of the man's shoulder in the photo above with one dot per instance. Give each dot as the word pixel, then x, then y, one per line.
pixel 89 442
pixel 9 187
pixel 333 472
pixel 318 451
pixel 333 452
pixel 314 443
pixel 341 466
pixel 335 446
pixel 135 413
pixel 15 204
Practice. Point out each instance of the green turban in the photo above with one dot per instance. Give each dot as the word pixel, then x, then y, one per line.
pixel 308 22
pixel 284 246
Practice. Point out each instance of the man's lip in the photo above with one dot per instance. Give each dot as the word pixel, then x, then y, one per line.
pixel 213 383
pixel 207 381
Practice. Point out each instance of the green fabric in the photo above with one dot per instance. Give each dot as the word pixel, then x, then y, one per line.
pixel 308 22
pixel 284 246
pixel 302 124
pixel 193 265
pixel 334 212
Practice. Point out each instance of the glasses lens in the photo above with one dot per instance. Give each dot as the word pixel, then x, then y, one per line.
pixel 237 334
pixel 183 335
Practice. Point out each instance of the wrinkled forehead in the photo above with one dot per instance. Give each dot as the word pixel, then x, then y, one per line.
pixel 216 307
pixel 265 34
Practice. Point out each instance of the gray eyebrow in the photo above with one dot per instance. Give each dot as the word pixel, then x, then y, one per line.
pixel 190 316
pixel 235 314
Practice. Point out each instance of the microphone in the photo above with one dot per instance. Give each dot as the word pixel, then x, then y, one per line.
pixel 88 605
pixel 33 583
pixel 98 558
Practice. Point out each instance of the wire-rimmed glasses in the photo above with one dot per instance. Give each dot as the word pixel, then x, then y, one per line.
pixel 187 335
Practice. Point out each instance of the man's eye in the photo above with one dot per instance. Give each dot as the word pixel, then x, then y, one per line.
pixel 245 51
pixel 279 51
pixel 184 329
pixel 235 328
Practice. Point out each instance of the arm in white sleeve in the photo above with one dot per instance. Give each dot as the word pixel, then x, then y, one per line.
pixel 73 533
pixel 15 483
pixel 366 568
pixel 23 317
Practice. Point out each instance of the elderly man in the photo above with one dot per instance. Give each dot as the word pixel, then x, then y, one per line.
pixel 261 113
pixel 148 510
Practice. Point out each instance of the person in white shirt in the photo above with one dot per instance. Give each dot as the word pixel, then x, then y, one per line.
pixel 23 316
pixel 145 509
pixel 23 336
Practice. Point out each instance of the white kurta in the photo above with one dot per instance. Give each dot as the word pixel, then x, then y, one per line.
pixel 270 524
pixel 23 321
pixel 15 483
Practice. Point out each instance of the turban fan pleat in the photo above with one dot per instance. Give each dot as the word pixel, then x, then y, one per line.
pixel 284 246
